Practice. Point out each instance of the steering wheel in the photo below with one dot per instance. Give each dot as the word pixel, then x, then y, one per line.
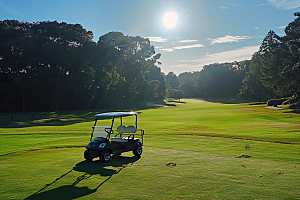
pixel 108 130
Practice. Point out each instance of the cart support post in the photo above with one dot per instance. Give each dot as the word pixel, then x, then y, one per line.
pixel 112 123
pixel 136 121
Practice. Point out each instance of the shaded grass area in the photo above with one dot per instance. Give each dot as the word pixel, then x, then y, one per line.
pixel 41 118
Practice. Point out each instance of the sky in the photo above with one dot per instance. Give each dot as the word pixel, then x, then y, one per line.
pixel 205 32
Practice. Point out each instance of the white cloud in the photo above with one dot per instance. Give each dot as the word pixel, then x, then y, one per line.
pixel 285 4
pixel 281 27
pixel 157 39
pixel 224 7
pixel 228 39
pixel 230 56
pixel 187 41
pixel 182 47
pixel 244 53
pixel 167 49
pixel 189 46
pixel 256 28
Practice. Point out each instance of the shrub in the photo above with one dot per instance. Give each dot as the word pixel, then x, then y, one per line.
pixel 289 101
pixel 295 105
pixel 277 102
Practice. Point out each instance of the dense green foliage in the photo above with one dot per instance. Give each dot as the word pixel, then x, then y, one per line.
pixel 56 66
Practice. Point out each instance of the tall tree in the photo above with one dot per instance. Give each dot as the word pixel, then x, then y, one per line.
pixel 291 63
pixel 271 56
pixel 124 63
pixel 155 74
pixel 29 50
pixel 252 84
pixel 172 81
pixel 15 55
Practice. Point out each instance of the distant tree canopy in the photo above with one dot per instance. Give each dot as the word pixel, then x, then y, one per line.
pixel 54 66
pixel 215 80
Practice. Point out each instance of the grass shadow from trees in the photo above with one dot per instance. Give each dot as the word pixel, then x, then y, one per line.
pixel 59 118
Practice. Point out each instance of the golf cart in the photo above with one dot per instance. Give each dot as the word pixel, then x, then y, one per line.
pixel 108 141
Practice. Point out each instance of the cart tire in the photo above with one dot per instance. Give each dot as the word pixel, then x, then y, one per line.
pixel 87 155
pixel 104 156
pixel 138 150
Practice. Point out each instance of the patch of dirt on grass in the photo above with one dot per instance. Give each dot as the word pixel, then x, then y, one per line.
pixel 243 156
pixel 227 175
pixel 171 164
pixel 6 165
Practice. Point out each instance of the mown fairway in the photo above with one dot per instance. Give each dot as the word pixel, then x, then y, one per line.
pixel 190 153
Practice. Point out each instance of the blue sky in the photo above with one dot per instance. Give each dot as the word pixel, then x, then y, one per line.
pixel 207 31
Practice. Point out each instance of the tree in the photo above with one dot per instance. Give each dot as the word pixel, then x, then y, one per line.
pixel 123 64
pixel 172 81
pixel 177 94
pixel 271 56
pixel 153 86
pixel 155 74
pixel 15 56
pixel 291 69
pixel 31 51
pixel 64 67
pixel 187 82
pixel 252 84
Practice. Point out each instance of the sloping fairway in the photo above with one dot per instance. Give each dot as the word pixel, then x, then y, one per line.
pixel 197 150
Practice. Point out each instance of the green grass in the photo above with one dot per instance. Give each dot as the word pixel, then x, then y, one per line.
pixel 43 158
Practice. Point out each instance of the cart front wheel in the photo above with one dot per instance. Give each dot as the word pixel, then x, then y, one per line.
pixel 138 150
pixel 105 156
pixel 87 155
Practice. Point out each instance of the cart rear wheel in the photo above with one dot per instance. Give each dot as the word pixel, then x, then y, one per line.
pixel 104 156
pixel 138 150
pixel 87 155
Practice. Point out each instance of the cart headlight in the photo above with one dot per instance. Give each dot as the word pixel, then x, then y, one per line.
pixel 102 145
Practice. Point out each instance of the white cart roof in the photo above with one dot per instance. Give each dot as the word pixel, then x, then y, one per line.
pixel 116 114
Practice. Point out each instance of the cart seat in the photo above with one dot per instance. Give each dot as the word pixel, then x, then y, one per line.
pixel 122 139
pixel 128 129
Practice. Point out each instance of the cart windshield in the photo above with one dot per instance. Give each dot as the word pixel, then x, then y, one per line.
pixel 101 131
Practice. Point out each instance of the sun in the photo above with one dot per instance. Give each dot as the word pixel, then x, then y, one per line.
pixel 170 19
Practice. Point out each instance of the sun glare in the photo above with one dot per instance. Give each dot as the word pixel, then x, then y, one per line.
pixel 170 19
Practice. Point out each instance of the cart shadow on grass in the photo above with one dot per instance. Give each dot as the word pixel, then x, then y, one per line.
pixel 90 168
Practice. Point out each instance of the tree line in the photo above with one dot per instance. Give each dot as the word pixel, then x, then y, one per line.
pixel 57 66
